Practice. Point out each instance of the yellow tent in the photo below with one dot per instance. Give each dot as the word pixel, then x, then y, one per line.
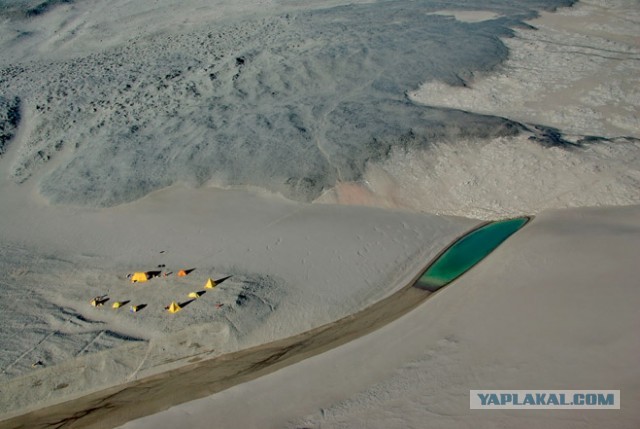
pixel 99 301
pixel 117 304
pixel 139 277
pixel 174 307
pixel 210 284
pixel 194 295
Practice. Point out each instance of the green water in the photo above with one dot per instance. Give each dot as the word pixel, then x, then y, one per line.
pixel 467 252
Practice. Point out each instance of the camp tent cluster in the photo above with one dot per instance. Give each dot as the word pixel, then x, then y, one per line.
pixel 174 307
pixel 142 276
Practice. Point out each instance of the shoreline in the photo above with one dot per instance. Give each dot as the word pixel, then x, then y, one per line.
pixel 116 405
pixel 424 363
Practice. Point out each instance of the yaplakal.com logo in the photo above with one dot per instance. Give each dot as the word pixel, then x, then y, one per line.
pixel 544 399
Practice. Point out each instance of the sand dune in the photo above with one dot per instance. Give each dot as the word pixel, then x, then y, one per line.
pixel 290 100
pixel 293 266
pixel 164 137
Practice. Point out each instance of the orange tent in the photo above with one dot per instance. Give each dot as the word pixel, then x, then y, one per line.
pixel 182 273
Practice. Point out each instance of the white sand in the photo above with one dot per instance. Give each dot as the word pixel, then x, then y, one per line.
pixel 554 308
pixel 536 314
pixel 576 71
pixel 581 79
pixel 298 265
pixel 523 319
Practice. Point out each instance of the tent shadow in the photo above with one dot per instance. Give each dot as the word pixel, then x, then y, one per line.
pixel 153 274
pixel 190 270
pixel 221 280
pixel 185 303
pixel 101 301
pixel 138 307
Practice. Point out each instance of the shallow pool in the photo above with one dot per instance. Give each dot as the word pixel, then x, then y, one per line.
pixel 466 252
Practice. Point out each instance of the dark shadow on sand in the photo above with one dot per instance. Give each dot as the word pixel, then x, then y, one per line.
pixel 185 303
pixel 221 280
pixel 139 308
pixel 153 274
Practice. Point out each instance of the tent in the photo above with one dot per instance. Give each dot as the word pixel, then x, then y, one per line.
pixel 182 273
pixel 99 301
pixel 210 284
pixel 139 277
pixel 174 307
pixel 194 295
